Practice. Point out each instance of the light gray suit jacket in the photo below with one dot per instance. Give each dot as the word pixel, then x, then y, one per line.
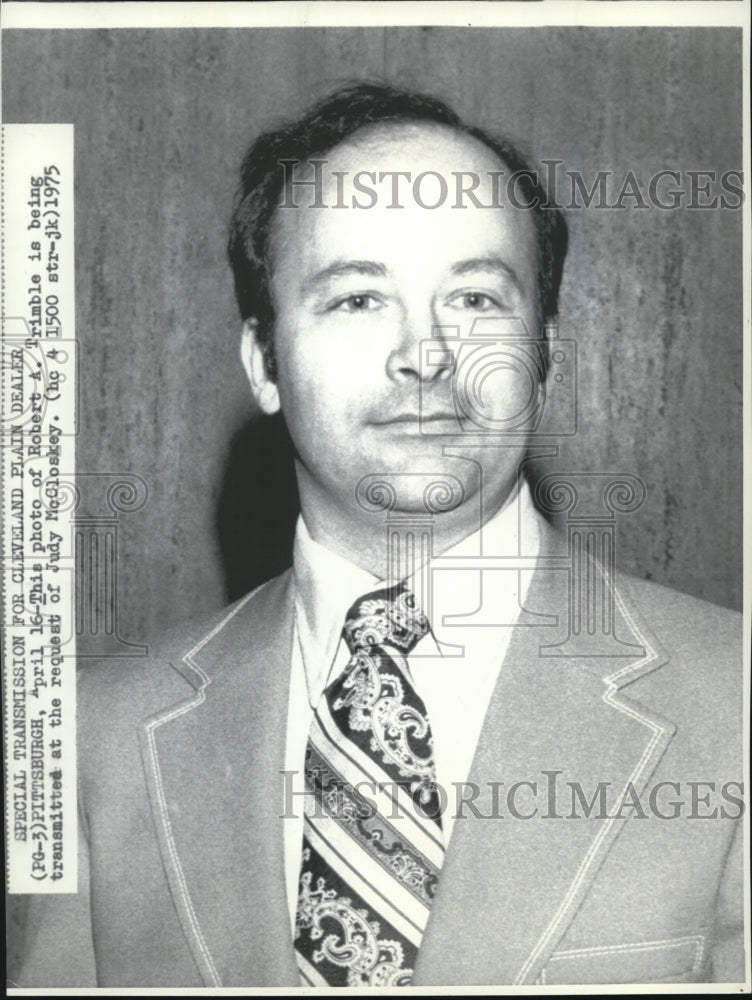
pixel 181 798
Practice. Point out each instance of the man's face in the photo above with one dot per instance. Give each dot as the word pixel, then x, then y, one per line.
pixel 355 291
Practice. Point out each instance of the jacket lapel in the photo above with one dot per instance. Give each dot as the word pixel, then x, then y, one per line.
pixel 213 768
pixel 510 886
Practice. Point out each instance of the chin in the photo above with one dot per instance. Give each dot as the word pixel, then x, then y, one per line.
pixel 415 489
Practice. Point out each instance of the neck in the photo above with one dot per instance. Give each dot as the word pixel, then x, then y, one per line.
pixel 388 545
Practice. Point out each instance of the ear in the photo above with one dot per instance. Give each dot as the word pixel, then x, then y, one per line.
pixel 252 355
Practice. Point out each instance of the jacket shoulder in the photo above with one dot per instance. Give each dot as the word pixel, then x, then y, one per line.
pixel 698 647
pixel 689 624
pixel 135 687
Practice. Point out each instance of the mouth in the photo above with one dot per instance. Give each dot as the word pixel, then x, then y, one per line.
pixel 432 422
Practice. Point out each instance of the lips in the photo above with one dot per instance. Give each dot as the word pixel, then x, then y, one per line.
pixel 412 418
pixel 431 424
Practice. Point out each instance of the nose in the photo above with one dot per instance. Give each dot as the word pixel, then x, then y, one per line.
pixel 421 352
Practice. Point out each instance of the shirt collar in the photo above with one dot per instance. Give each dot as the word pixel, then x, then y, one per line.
pixel 326 584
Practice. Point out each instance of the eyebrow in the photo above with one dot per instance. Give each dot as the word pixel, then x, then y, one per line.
pixel 375 269
pixel 343 268
pixel 492 263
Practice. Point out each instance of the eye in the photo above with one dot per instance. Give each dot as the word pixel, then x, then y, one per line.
pixel 474 301
pixel 357 303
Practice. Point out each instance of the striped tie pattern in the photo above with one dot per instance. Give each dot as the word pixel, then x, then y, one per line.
pixel 372 840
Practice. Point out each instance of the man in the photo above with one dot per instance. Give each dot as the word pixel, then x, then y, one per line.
pixel 486 802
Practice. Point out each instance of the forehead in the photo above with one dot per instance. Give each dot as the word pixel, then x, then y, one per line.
pixel 409 147
pixel 419 175
pixel 421 145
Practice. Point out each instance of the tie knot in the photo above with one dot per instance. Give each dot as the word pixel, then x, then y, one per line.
pixel 388 616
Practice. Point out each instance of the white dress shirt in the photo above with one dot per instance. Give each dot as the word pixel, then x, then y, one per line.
pixel 454 668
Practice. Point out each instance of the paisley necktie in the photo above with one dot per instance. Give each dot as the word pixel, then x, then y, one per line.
pixel 372 841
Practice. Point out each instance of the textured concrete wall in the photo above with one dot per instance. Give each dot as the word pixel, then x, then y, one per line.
pixel 652 297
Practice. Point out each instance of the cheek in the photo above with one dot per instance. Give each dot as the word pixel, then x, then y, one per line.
pixel 330 361
pixel 497 388
pixel 314 395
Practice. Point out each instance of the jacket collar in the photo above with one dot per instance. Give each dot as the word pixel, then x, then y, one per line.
pixel 509 887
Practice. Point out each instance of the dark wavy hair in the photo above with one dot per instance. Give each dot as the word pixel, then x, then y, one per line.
pixel 323 127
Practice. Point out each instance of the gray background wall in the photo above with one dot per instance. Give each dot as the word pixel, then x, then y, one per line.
pixel 653 298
